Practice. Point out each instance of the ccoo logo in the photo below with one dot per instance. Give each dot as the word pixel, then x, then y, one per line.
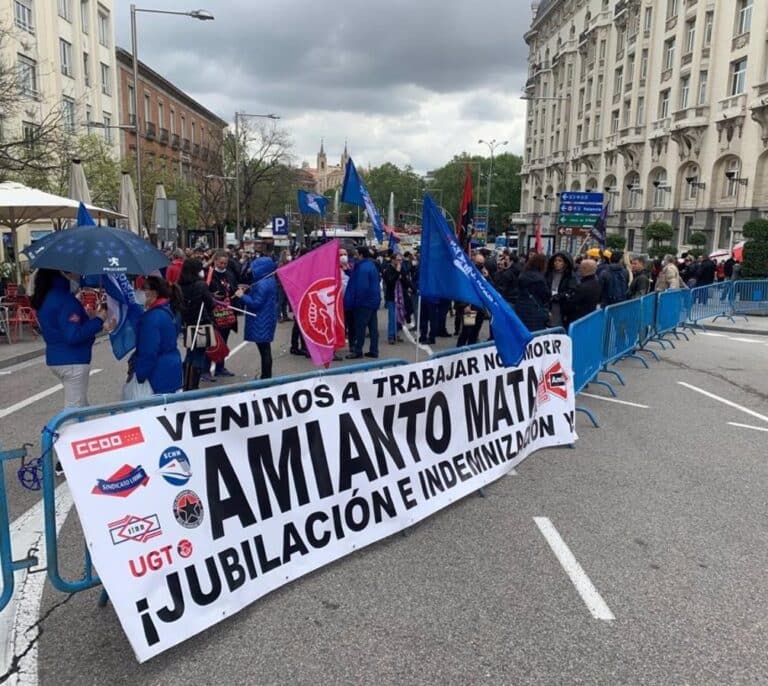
pixel 116 440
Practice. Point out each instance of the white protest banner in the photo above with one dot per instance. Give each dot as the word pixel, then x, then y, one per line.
pixel 194 509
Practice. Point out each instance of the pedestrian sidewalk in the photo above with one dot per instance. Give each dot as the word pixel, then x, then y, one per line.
pixel 754 324
pixel 26 349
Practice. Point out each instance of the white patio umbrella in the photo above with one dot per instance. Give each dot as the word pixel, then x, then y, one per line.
pixel 391 210
pixel 20 204
pixel 336 206
pixel 128 206
pixel 78 184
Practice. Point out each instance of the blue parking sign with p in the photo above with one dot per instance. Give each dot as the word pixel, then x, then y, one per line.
pixel 280 226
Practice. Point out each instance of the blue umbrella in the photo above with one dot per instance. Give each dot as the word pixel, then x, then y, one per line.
pixel 95 250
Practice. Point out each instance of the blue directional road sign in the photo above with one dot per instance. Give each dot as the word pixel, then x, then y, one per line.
pixel 582 198
pixel 280 226
pixel 577 208
pixel 480 225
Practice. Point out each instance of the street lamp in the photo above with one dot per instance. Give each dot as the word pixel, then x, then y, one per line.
pixel 492 145
pixel 202 15
pixel 734 175
pixel 238 115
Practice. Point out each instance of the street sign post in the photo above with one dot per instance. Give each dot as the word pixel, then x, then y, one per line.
pixel 280 225
pixel 579 212
pixel 578 219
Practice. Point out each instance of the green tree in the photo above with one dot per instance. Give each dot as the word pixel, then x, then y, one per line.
pixel 615 241
pixel 659 233
pixel 387 178
pixel 698 239
pixel 755 258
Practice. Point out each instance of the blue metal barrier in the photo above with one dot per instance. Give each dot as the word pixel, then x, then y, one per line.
pixel 89 579
pixel 749 297
pixel 648 324
pixel 710 302
pixel 7 564
pixel 622 335
pixel 668 309
pixel 587 355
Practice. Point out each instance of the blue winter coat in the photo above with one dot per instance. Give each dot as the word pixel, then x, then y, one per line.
pixel 157 357
pixel 261 300
pixel 67 330
pixel 364 287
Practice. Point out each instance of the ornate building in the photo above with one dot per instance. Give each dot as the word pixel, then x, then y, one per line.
pixel 660 104
pixel 327 177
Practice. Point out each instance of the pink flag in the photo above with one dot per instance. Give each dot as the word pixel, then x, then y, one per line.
pixel 312 285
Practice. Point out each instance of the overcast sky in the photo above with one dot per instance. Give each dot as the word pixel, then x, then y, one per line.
pixel 405 81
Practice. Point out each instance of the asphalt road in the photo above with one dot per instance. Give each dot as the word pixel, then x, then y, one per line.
pixel 663 507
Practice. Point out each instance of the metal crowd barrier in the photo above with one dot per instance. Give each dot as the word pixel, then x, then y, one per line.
pixel 749 297
pixel 588 357
pixel 89 578
pixel 710 302
pixel 648 324
pixel 669 309
pixel 622 335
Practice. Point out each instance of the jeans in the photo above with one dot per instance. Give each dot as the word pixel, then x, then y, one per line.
pixel 74 378
pixel 265 351
pixel 391 319
pixel 365 318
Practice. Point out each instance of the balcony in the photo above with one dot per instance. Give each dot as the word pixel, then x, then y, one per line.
pixel 149 131
pixel 163 136
pixel 687 58
pixel 631 134
pixel 734 105
pixel 131 120
pixel 186 145
pixel 175 141
pixel 699 115
pixel 661 127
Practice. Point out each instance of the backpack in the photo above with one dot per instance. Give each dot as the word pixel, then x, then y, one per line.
pixel 616 286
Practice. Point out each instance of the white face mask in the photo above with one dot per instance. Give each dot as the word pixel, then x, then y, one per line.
pixel 201 274
pixel 415 263
pixel 220 270
pixel 288 259
pixel 344 259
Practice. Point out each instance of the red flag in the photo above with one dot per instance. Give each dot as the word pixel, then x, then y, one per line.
pixel 312 285
pixel 539 243
pixel 466 212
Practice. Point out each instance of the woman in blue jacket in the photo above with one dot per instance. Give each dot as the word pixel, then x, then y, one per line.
pixel 261 305
pixel 157 357
pixel 68 331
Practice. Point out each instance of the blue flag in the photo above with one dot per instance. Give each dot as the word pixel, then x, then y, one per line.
pixel 312 203
pixel 354 192
pixel 84 217
pixel 447 272
pixel 122 305
pixel 599 230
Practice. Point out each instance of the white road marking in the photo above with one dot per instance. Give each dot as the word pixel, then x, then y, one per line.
pixel 730 403
pixel 748 426
pixel 585 588
pixel 237 349
pixel 615 400
pixel 24 609
pixel 37 396
pixel 733 338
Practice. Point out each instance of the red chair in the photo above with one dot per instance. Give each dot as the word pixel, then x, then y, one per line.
pixel 11 291
pixel 21 313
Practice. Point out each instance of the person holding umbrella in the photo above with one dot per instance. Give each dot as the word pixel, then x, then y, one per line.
pixel 68 331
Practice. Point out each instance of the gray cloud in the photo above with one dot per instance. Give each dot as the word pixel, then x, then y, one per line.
pixel 402 80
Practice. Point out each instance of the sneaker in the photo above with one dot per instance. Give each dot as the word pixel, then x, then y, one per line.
pixel 224 372
pixel 337 357
pixel 58 470
pixel 207 378
pixel 373 355
pixel 296 351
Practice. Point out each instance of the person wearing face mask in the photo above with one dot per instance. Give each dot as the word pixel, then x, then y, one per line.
pixel 156 358
pixel 198 303
pixel 222 283
pixel 68 331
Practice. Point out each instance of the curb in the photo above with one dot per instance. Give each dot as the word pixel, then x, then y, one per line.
pixel 22 357
pixel 734 329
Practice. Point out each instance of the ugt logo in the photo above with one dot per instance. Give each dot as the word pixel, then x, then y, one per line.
pixel 553 383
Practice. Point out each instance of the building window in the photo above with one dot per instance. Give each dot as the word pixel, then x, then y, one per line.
pixel 599 93
pixel 131 106
pixel 30 131
pixel 103 24
pixel 173 122
pixel 160 115
pixel 693 190
pixel 644 64
pixel 618 81
pixel 690 35
pixel 685 91
pixel 625 114
pixel 28 75
pixel 726 225
pixel 107 117
pixel 734 170
pixel 669 54
pixel 630 68
pixel 147 108
pixel 85 17
pixel 648 19
pixel 86 69
pixel 183 127
pixel 660 190
pixel 703 77
pixel 106 79
pixel 68 114
pixel 743 17
pixel 65 54
pixel 709 20
pixel 671 8
pixel 65 9
pixel 88 114
pixel 688 223
pixel 194 140
pixel 738 76
pixel 598 131
pixel 603 48
pixel 614 121
pixel 640 111
pixel 620 40
pixel 664 104
pixel 22 10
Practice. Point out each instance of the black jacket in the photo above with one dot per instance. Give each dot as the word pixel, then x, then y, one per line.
pixel 533 299
pixel 197 294
pixel 506 283
pixel 584 299
pixel 705 274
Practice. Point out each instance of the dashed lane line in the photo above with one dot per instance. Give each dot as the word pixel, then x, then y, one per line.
pixel 615 400
pixel 597 607
pixel 730 403
pixel 37 396
pixel 749 426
